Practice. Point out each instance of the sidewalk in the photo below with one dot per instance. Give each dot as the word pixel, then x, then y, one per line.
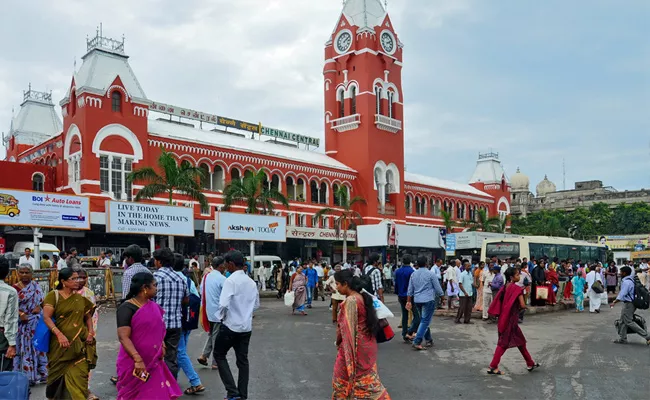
pixel 560 306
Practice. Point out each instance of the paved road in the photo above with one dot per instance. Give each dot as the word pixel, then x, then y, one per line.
pixel 292 358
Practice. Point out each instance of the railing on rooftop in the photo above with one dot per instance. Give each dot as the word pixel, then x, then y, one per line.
pixel 105 43
pixel 30 94
pixel 482 156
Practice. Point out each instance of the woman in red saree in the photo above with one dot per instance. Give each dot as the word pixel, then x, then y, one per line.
pixel 552 279
pixel 355 369
pixel 142 373
pixel 506 305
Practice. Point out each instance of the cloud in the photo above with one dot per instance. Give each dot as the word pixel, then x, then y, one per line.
pixel 536 82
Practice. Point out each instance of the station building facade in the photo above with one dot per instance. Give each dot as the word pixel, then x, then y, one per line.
pixel 110 127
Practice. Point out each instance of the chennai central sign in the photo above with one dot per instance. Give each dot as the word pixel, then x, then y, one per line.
pixel 233 123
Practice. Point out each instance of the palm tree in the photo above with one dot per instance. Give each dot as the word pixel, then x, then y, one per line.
pixel 346 216
pixel 447 221
pixel 253 190
pixel 501 224
pixel 184 179
pixel 484 223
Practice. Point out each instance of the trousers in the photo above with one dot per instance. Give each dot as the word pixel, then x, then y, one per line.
pixel 465 309
pixel 627 321
pixel 184 361
pixel 209 342
pixel 498 353
pixel 239 341
pixel 172 339
pixel 426 311
pixel 487 300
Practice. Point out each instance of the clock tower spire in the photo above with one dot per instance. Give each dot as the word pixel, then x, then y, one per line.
pixel 364 105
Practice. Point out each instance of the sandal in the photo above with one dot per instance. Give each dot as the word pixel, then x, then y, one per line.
pixel 418 347
pixel 202 361
pixel 92 396
pixel 113 380
pixel 194 390
pixel 533 367
pixel 495 371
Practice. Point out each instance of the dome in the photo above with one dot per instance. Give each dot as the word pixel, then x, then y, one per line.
pixel 519 182
pixel 545 187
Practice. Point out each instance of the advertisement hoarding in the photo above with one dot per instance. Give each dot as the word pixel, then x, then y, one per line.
pixel 43 210
pixel 149 219
pixel 263 228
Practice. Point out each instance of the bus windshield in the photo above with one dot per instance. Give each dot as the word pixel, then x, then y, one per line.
pixel 502 250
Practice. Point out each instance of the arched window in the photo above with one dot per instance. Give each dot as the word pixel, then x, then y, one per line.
pixel 335 189
pixel 408 204
pixel 378 100
pixel 218 178
pixel 341 99
pixel 185 164
pixel 391 104
pixel 116 101
pixel 206 181
pixel 248 173
pixel 275 182
pixel 291 188
pixel 235 174
pixel 322 195
pixel 313 188
pixel 353 100
pixel 38 183
pixel 300 190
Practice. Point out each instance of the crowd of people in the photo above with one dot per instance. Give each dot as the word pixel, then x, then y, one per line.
pixel 160 309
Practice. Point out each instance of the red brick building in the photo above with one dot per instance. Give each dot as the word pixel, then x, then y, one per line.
pixel 108 129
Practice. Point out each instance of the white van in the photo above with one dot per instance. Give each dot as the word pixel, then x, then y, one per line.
pixel 268 261
pixel 44 248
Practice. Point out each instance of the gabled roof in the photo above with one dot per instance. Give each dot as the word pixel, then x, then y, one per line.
pixel 99 70
pixel 257 147
pixel 37 120
pixel 443 184
pixel 364 13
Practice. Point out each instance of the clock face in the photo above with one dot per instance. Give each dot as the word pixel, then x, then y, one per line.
pixel 343 42
pixel 387 42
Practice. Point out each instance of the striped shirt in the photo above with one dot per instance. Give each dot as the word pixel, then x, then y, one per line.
pixel 375 277
pixel 128 276
pixel 172 289
pixel 9 312
pixel 424 286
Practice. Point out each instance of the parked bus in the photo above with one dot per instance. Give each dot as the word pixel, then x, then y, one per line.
pixel 540 246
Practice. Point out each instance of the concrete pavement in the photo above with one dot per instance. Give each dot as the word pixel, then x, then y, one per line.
pixel 292 357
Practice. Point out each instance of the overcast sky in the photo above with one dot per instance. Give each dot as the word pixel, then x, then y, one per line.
pixel 537 82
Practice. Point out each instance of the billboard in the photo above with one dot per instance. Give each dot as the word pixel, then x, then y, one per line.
pixel 149 219
pixel 263 228
pixel 43 210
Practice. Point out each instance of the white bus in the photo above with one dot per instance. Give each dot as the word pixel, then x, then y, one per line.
pixel 540 246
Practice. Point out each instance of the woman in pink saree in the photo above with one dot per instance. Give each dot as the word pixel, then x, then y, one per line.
pixel 507 304
pixel 142 373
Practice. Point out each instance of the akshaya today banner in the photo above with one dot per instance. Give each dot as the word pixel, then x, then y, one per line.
pixel 262 228
pixel 149 219
pixel 43 210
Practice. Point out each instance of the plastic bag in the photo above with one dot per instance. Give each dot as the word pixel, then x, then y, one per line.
pixel 289 298
pixel 41 338
pixel 380 308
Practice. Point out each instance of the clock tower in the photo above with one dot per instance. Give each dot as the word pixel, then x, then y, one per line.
pixel 364 106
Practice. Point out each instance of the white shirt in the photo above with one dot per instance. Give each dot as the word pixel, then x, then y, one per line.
pixel 105 262
pixel 61 264
pixel 436 271
pixel 450 275
pixel 194 264
pixel 320 271
pixel 31 261
pixel 261 273
pixel 644 266
pixel 239 298
pixel 345 266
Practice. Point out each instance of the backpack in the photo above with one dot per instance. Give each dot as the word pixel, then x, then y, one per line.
pixel 641 295
pixel 366 280
pixel 190 312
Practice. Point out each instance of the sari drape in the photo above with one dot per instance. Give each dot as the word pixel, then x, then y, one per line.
pixel 552 277
pixel 299 289
pixel 28 360
pixel 355 369
pixel 147 334
pixel 68 368
pixel 506 306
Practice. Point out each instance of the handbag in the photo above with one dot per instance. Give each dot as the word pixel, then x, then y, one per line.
pixel 42 333
pixel 289 297
pixel 385 333
pixel 597 287
pixel 541 293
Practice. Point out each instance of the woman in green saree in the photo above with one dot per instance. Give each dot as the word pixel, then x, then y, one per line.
pixel 72 344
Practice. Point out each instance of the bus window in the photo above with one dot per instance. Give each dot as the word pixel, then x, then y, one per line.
pixel 574 252
pixel 562 252
pixel 550 251
pixel 585 254
pixel 536 250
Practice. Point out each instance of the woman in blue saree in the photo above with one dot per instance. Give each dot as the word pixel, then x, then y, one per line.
pixel 28 360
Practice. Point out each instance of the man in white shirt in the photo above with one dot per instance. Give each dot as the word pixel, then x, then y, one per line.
pixel 239 298
pixel 321 278
pixel 345 265
pixel 210 289
pixel 28 259
pixel 60 263
pixel 261 277
pixel 194 262
pixel 104 260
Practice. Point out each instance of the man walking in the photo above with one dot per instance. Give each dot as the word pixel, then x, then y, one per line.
pixel 402 279
pixel 465 285
pixel 27 258
pixel 210 294
pixel 132 258
pixel 8 318
pixel 239 298
pixel 626 296
pixel 319 285
pixel 72 259
pixel 312 281
pixel 424 290
pixel 374 270
pixel 595 299
pixel 172 293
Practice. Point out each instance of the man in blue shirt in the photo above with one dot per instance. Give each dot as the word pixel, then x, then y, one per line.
pixel 210 293
pixel 465 282
pixel 312 281
pixel 626 295
pixel 402 278
pixel 424 289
